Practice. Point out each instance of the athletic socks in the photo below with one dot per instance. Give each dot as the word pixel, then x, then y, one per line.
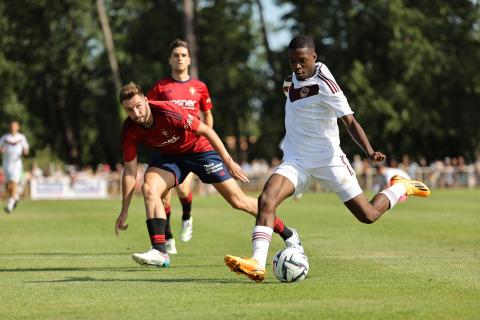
pixel 394 193
pixel 186 206
pixel 261 238
pixel 156 230
pixel 168 231
pixel 281 229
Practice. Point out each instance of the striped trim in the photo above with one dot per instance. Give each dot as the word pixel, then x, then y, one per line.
pixel 261 236
pixel 330 83
pixel 171 114
pixel 391 194
pixel 157 238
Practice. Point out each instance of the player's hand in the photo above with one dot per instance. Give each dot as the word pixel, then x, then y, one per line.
pixel 120 224
pixel 237 172
pixel 377 156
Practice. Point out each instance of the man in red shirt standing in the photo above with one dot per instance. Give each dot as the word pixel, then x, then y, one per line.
pixel 182 144
pixel 191 95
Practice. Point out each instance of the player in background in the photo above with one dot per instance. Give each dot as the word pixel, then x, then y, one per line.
pixel 312 151
pixel 182 144
pixel 191 95
pixel 13 146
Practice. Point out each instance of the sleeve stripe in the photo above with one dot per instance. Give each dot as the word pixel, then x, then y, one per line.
pixel 331 84
pixel 171 114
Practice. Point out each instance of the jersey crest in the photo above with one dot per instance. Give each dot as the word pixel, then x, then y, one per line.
pixel 303 92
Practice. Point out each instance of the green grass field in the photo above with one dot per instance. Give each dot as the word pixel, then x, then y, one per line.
pixel 61 260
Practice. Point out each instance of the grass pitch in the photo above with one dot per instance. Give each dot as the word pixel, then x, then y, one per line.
pixel 61 260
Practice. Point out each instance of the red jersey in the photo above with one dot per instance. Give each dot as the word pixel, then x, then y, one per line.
pixel 192 95
pixel 172 132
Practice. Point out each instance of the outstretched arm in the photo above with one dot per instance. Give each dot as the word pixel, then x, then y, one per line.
pixel 358 135
pixel 235 170
pixel 129 177
pixel 208 118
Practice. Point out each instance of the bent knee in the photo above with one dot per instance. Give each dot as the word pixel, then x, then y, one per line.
pixel 266 203
pixel 368 218
pixel 147 191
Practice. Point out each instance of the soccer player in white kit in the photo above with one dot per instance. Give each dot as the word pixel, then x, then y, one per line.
pixel 312 151
pixel 13 145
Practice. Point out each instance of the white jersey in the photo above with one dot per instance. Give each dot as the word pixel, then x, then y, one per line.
pixel 13 147
pixel 311 112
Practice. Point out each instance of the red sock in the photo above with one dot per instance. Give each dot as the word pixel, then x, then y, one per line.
pixel 278 225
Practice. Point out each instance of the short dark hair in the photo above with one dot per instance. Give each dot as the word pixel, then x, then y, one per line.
pixel 128 91
pixel 302 41
pixel 179 43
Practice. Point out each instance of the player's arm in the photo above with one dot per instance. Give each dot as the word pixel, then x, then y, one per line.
pixel 358 135
pixel 208 118
pixel 235 170
pixel 26 148
pixel 129 178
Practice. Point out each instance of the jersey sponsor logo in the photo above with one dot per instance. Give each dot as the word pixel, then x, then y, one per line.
pixel 212 168
pixel 189 122
pixel 185 104
pixel 169 141
pixel 303 92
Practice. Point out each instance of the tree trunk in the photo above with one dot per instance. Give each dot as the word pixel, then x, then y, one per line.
pixel 188 26
pixel 107 34
pixel 277 77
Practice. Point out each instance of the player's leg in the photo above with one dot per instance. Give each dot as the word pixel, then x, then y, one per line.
pixel 340 176
pixel 276 190
pixel 156 182
pixel 185 196
pixel 11 192
pixel 369 212
pixel 234 195
pixel 169 240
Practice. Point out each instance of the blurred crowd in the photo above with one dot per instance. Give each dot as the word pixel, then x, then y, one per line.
pixel 450 172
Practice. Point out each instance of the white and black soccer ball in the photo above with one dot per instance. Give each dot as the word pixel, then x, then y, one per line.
pixel 290 265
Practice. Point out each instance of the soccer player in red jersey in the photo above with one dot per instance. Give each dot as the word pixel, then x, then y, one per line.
pixel 191 95
pixel 182 144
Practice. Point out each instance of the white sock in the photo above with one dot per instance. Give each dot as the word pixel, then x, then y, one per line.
pixel 394 193
pixel 11 202
pixel 261 238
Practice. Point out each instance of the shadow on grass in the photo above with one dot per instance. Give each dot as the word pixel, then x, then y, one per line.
pixel 69 254
pixel 119 269
pixel 179 280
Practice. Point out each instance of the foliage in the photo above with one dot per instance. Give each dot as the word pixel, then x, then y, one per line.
pixel 409 69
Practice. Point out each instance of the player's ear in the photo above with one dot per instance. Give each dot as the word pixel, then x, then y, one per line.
pixel 146 99
pixel 315 56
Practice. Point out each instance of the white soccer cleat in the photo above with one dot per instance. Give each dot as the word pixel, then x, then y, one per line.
pixel 10 205
pixel 187 230
pixel 294 242
pixel 170 246
pixel 152 257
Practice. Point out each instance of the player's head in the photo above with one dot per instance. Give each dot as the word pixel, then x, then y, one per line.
pixel 14 126
pixel 134 102
pixel 179 56
pixel 302 56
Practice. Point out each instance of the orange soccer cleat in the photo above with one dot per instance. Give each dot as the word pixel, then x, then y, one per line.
pixel 414 188
pixel 246 266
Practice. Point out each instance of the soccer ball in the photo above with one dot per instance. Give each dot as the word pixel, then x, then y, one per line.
pixel 290 265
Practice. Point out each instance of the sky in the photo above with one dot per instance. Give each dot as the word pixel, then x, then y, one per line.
pixel 278 33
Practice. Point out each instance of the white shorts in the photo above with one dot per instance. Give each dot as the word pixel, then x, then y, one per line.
pixel 13 172
pixel 336 176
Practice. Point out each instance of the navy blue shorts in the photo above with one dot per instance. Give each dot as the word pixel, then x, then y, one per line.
pixel 208 166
